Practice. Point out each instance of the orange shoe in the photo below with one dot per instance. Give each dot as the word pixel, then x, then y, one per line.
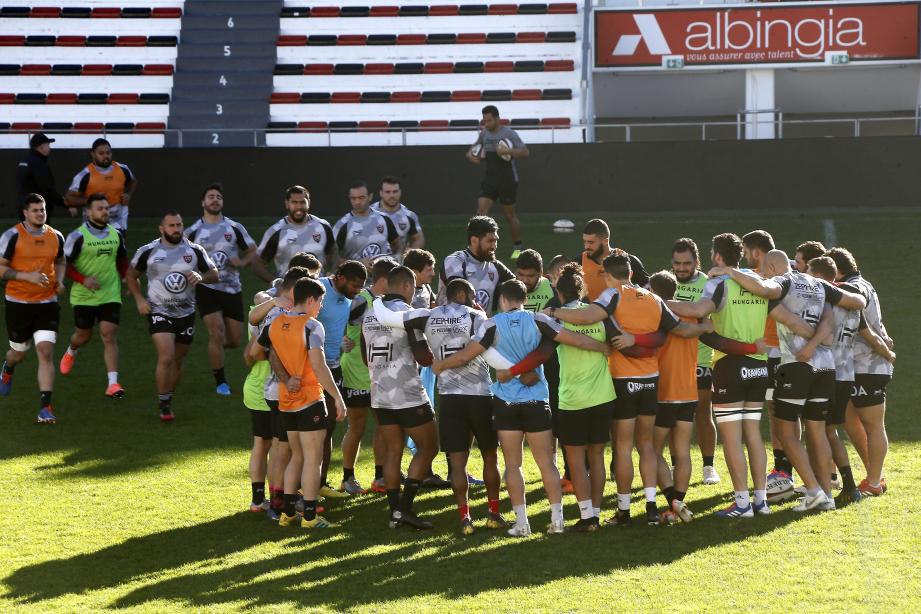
pixel 114 391
pixel 567 487
pixel 867 489
pixel 67 363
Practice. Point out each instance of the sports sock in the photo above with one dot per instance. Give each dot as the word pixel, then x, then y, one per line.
pixel 258 492
pixel 464 511
pixel 760 496
pixel 521 514
pixel 393 498
pixel 650 493
pixel 348 473
pixel 813 492
pixel 113 377
pixel 219 376
pixel 290 500
pixel 623 502
pixel 493 506
pixel 585 509
pixel 310 509
pixel 8 368
pixel 778 459
pixel 742 499
pixel 669 493
pixel 679 495
pixel 71 351
pixel 847 477
pixel 166 400
pixel 708 461
pixel 378 472
pixel 556 512
pixel 45 396
pixel 409 494
pixel 596 511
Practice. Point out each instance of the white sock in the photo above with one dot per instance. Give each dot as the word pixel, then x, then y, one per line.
pixel 585 509
pixel 623 501
pixel 650 494
pixel 596 511
pixel 742 499
pixel 521 514
pixel 72 351
pixel 760 497
pixel 113 377
pixel 556 512
pixel 814 492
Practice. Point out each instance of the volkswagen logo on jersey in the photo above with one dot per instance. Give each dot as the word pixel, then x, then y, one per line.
pixel 370 251
pixel 482 297
pixel 176 283
pixel 220 259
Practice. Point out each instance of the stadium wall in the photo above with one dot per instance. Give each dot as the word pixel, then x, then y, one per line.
pixel 661 176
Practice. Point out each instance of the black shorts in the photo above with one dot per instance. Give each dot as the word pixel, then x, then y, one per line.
pixel 311 418
pixel 183 328
pixel 704 377
pixel 337 378
pixel 210 301
pixel 356 399
pixel 85 316
pixel 869 390
pixel 278 425
pixel 636 397
pixel 580 427
pixel 407 417
pixel 670 413
pixel 462 417
pixel 530 417
pixel 261 421
pixel 505 191
pixel 802 391
pixel 773 362
pixel 838 407
pixel 24 319
pixel 738 379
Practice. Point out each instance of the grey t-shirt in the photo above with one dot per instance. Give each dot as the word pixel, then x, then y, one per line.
pixel 485 276
pixel 284 238
pixel 168 291
pixel 804 296
pixel 360 237
pixel 496 167
pixel 848 325
pixel 223 241
pixel 405 221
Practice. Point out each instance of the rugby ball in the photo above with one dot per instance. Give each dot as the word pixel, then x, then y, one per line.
pixel 780 489
pixel 507 143
pixel 564 226
pixel 476 150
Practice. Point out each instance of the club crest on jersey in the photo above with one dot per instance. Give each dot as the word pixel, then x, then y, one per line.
pixel 187 258
pixel 380 228
pixel 316 237
pixel 403 225
pixel 227 236
pixel 492 276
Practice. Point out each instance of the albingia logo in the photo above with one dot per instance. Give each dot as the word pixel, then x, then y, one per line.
pixel 650 33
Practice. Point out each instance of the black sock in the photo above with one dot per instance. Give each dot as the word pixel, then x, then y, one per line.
pixel 679 495
pixel 166 400
pixel 278 500
pixel 310 509
pixel 393 498
pixel 651 505
pixel 409 494
pixel 448 463
pixel 348 473
pixel 786 466
pixel 378 472
pixel 847 477
pixel 258 492
pixel 8 368
pixel 669 493
pixel 708 461
pixel 290 500
pixel 219 376
pixel 46 398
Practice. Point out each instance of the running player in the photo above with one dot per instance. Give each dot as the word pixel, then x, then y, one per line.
pixel 406 222
pixel 296 343
pixel 477 264
pixel 500 181
pixel 805 252
pixel 221 305
pixel 32 265
pixel 363 234
pixel 691 282
pixel 104 175
pixel 96 261
pixel 521 411
pixel 596 243
pixel 805 377
pixel 296 232
pixel 398 399
pixel 872 372
pixel 173 266
pixel 356 382
pixel 463 392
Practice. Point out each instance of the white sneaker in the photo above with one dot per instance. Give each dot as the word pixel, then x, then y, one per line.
pixel 828 506
pixel 554 528
pixel 837 483
pixel 710 475
pixel 681 510
pixel 520 530
pixel 808 503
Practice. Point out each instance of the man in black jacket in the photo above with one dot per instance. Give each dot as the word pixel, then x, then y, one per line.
pixel 35 176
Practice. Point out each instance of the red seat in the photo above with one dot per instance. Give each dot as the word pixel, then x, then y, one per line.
pixel 385 11
pixel 45 12
pixel 411 39
pixel 158 69
pixel 503 121
pixel 345 97
pixel 503 9
pixel 292 40
pixel 285 98
pixel 559 65
pixel 12 41
pixel 465 96
pixel 372 126
pixel 97 69
pixel 149 128
pixel 88 127
pixel 562 8
pixel 106 12
pixel 531 37
pixel 526 95
pixel 318 69
pixel 562 122
pixel 25 127
pixel 123 98
pixel 324 11
pixel 130 41
pixel 406 97
pixel 35 69
pixel 166 12
pixel 73 41
pixel 7 98
pixel 434 124
pixel 499 66
pixel 378 69
pixel 352 39
pixel 312 126
pixel 433 68
pixel 61 99
pixel 473 38
pixel 443 10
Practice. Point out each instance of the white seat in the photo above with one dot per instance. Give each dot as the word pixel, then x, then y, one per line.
pixel 85 112
pixel 88 55
pixel 418 83
pixel 47 84
pixel 428 53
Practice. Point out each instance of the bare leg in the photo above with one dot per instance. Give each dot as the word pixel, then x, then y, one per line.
pixel 109 333
pixel 45 352
pixel 873 420
pixel 730 432
pixel 214 322
pixel 703 420
pixel 512 218
pixel 511 443
pixel 351 441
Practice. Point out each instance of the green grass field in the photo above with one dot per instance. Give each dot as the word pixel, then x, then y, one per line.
pixel 112 509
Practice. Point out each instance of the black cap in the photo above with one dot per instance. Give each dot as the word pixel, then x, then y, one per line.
pixel 39 138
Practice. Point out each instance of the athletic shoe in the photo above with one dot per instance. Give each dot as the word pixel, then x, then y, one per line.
pixel 762 508
pixel 46 416
pixel 260 507
pixel 115 391
pixel 520 530
pixel 272 515
pixel 318 522
pixel 515 254
pixel 800 490
pixel 435 481
pixel 67 363
pixel 808 503
pixel 621 518
pixel 166 414
pixel 223 390
pixel 556 527
pixel 378 486
pixel 466 526
pixel 567 486
pixel 652 514
pixel 586 525
pixel 410 519
pixel 329 492
pixel 848 496
pixel 682 511
pixel 472 481
pixel 710 475
pixel 872 491
pixel 668 517
pixel 837 482
pixel 6 381
pixel 351 486
pixel 780 487
pixel 496 521
pixel 734 511
pixel 287 521
pixel 828 505
pixel 299 505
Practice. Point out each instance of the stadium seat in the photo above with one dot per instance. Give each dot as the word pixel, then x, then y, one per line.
pixel 77 41
pixel 136 12
pixel 559 122
pixel 343 126
pixel 149 127
pixel 348 69
pixel 88 127
pixel 92 98
pixel 468 67
pixel 123 98
pixel 354 11
pixel 372 97
pixel 563 8
pixel 382 39
pixel 292 40
pixel 66 69
pixel 438 67
pixel 531 37
pixel 101 41
pixel 378 69
pixel 35 69
pixel 472 38
pixel 473 9
pixel 464 123
pixel 12 41
pixel 503 9
pixel 441 39
pixel 25 126
pixel 500 37
pixel 434 124
pixel 408 68
pixel 61 99
pixel 436 96
pixel 406 97
pixel 411 39
pixel 319 69
pixel 559 65
pixel 284 98
pixel 30 98
pixel 45 12
pixel 561 37
pixel 526 95
pixel 532 9
pixel 497 95
pixel 500 66
pixel 15 11
pixel 106 12
pixel 324 11
pixel 321 39
pixel 352 39
pixel 413 11
pixel 153 99
pixel 315 97
pixel 465 96
pixel 557 94
pixel 97 69
pixel 385 11
pixel 166 12
pixel 444 10
pixel 345 97
pixel 312 126
pixel 77 12
pixel 529 66
pixel 292 69
pixel 55 127
pixel 404 124
pixel 372 126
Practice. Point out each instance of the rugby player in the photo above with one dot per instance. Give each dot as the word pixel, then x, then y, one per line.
pixel 297 232
pixel 363 234
pixel 596 243
pixel 407 222
pixel 104 175
pixel 805 252
pixel 477 264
